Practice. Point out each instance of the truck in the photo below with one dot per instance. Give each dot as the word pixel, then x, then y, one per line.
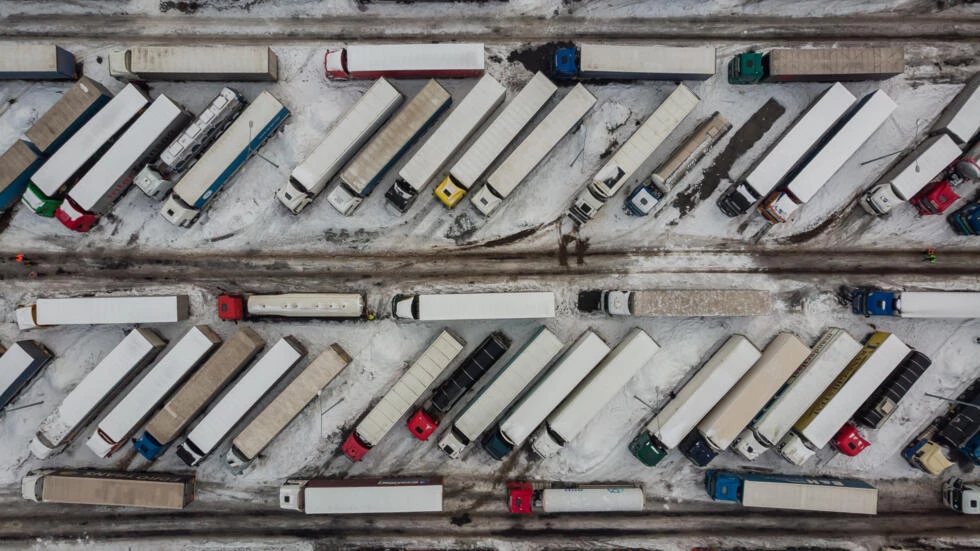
pixel 633 62
pixel 361 176
pixel 110 176
pixel 788 151
pixel 292 305
pixel 809 177
pixel 677 302
pixel 429 366
pixel 494 398
pixel 816 65
pixel 694 400
pixel 102 310
pixel 828 357
pixel 158 178
pixel 884 400
pixel 426 419
pixel 258 434
pixel 961 118
pixel 405 61
pixel 591 395
pixel 474 306
pixel 468 170
pixel 628 159
pixel 525 498
pixel 910 174
pixel 840 401
pixel 36 62
pixel 347 136
pixel 925 454
pixel 726 421
pixel 962 421
pixel 217 63
pixel 320 496
pixel 966 220
pixel 471 113
pixel 520 421
pixel 938 195
pixel 533 149
pixel 173 369
pixel 646 197
pixel 95 390
pixel 911 304
pixel 115 488
pixel 798 493
pixel 240 399
pixel 69 114
pixel 962 497
pixel 19 365
pixel 17 164
pixel 222 161
pixel 61 170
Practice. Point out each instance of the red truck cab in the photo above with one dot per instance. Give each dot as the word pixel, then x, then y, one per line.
pixel 422 425
pixel 354 448
pixel 335 64
pixel 231 307
pixel 521 495
pixel 935 198
pixel 849 441
pixel 74 217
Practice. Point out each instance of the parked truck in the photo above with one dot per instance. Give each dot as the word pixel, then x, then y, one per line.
pixel 17 164
pixel 910 174
pixel 962 497
pixel 694 400
pixel 369 496
pixel 36 62
pixel 494 398
pixel 474 110
pixel 911 304
pixel 937 196
pixel 966 220
pixel 95 390
pixel 628 159
pixel 474 306
pixel 816 65
pixel 221 63
pixel 798 493
pixel 677 302
pixel 962 420
pixel 961 118
pixel 884 400
pixel 526 498
pixel 101 310
pixel 344 140
pixel 448 60
pixel 114 488
pixel 633 62
pixel 19 365
pixel 292 305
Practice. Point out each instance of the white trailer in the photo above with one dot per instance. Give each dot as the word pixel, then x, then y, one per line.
pixel 525 498
pixel 173 369
pixel 292 305
pixel 95 390
pixel 220 63
pixel 798 493
pixel 629 61
pixel 405 61
pixel 290 402
pixel 685 302
pixel 910 174
pixel 346 137
pixel 464 175
pixel 429 366
pixel 362 496
pixel 819 167
pixel 99 310
pixel 474 306
pixel 19 364
pixel 961 118
pixel 597 390
pixel 518 424
pixel 242 397
pixel 36 62
pixel 839 401
pixel 623 165
pixel 500 392
pixel 474 110
pixel 937 304
pixel 828 358
pixel 120 489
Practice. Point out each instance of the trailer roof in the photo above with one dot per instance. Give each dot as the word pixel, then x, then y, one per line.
pixel 209 60
pixel 701 302
pixel 939 304
pixel 29 58
pixel 697 62
pixel 65 112
pixel 153 490
pixel 815 496
pixel 961 118
pixel 487 306
pixel 840 62
pixel 414 57
pixel 14 162
pixel 373 496
pixel 99 310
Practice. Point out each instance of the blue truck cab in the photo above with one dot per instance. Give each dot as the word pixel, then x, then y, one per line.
pixel 966 221
pixel 496 445
pixel 723 485
pixel 148 446
pixel 696 448
pixel 971 450
pixel 643 200
pixel 565 63
pixel 873 303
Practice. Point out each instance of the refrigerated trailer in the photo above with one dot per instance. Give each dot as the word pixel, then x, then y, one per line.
pixel 362 496
pixel 69 114
pixel 799 493
pixel 18 367
pixel 115 488
pixel 913 304
pixel 961 118
pixel 629 62
pixel 36 62
pixel 17 165
pixel 474 306
pixel 910 174
pixel 405 61
pixel 292 305
pixel 882 403
pixel 344 140
pixel 524 498
pixel 95 390
pixel 816 65
pixel 100 310
pixel 221 63
pixel 677 302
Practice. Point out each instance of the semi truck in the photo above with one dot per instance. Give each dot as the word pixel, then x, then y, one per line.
pixel 938 195
pixel 494 398
pixel 19 365
pixel 788 151
pixel 961 118
pixel 114 488
pixel 533 149
pixel 110 176
pixel 36 62
pixel 726 421
pixel 910 174
pixel 17 164
pixel 292 305
pixel 139 403
pixel 69 114
pixel 962 497
pixel 258 434
pixel 633 62
pixel 798 493
pixel 471 113
pixel 829 356
pixel 628 159
pixel 361 176
pixel 841 400
pixel 911 304
pixel 816 65
pixel 95 390
pixel 405 61
pixel 370 496
pixel 347 136
pixel 521 420
pixel 591 396
pixel 677 302
pixel 884 400
pixel 646 197
pixel 429 366
pixel 474 306
pixel 966 220
pixel 855 128
pixel 526 498
pixel 694 400
pixel 184 406
pixel 426 419
pixel 242 397
pixel 468 170
pixel 962 420
pixel 102 310
pixel 219 63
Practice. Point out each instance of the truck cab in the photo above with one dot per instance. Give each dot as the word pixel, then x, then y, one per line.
pixel 74 217
pixel 961 497
pixel 119 65
pixel 294 196
pixel 737 200
pixel 926 455
pixel 496 444
pixel 335 64
pixel 343 200
pixel 148 447
pixel 966 221
pixel 747 68
pixel 37 201
pixel 565 63
pixel 618 303
pixel 722 486
pixel 873 303
pixel 935 198
pixel 32 484
pixel 520 497
pixel 849 441
pixel 177 214
pixel 880 200
pixel 152 183
pixel 793 449
pixel 485 201
pixel 644 200
pixel 355 448
pixel 449 192
pixel 291 495
pixel 231 307
pixel 779 208
pixel 647 450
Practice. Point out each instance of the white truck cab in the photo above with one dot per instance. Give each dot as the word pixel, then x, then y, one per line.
pixel 961 497
pixel 617 303
pixel 30 487
pixel 293 196
pixel 792 448
pixel 344 201
pixel 119 65
pixel 291 495
pixel 177 214
pixel 485 201
pixel 25 316
pixel 152 183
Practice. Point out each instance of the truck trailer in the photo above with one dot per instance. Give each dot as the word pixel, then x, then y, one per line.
pixel 816 65
pixel 912 304
pixel 633 62
pixel 362 496
pixel 103 310
pixel 362 61
pixel 884 400
pixel 961 118
pixel 474 306
pixel 19 365
pixel 17 164
pixel 113 488
pixel 677 302
pixel 910 174
pixel 524 498
pixel 219 63
pixel 292 305
pixel 36 62
pixel 67 116
pixel 798 493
